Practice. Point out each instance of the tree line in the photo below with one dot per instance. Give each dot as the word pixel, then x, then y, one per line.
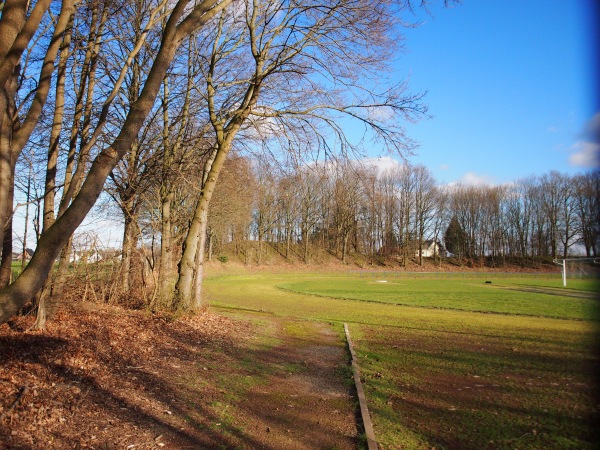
pixel 346 207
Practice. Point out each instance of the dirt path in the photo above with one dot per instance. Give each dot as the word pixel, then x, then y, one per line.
pixel 307 402
pixel 107 378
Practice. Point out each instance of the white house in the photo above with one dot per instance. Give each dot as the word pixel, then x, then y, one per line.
pixel 431 248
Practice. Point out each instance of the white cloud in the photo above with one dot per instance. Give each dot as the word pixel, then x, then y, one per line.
pixel 586 152
pixel 444 167
pixel 382 164
pixel 381 113
pixel 587 155
pixel 473 179
pixel 592 128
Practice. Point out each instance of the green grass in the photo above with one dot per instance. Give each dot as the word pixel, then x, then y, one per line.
pixel 440 373
pixel 464 390
pixel 506 296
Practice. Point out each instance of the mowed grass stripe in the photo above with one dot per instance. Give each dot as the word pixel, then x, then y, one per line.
pixel 472 391
pixel 503 297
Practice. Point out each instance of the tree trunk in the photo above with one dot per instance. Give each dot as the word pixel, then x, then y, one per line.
pixel 61 272
pixel 184 289
pixel 199 272
pixel 7 246
pixel 52 160
pixel 7 249
pixel 165 290
pixel 185 298
pixel 345 246
pixel 8 159
pixel 259 253
pixel 26 224
pixel 129 244
pixel 211 238
pixel 305 239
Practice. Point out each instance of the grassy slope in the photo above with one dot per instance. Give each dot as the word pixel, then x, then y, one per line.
pixel 451 378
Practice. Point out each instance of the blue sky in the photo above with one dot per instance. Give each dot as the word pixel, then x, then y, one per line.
pixel 509 87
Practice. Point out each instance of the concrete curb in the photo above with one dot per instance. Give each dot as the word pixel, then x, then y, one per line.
pixel 362 400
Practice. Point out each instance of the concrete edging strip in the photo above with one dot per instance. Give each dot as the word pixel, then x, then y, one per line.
pixel 362 400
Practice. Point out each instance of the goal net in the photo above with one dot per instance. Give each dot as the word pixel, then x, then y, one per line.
pixel 578 268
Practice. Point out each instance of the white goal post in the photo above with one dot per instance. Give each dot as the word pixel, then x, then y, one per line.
pixel 581 263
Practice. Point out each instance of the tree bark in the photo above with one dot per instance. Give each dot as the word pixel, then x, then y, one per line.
pixel 199 270
pixel 7 248
pixel 8 158
pixel 165 292
pixel 48 217
pixel 130 238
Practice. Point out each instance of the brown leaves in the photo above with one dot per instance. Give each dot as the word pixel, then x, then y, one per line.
pixel 101 377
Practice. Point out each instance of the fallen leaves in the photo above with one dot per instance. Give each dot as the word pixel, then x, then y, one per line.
pixel 100 376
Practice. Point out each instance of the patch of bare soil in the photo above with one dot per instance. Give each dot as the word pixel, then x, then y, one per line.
pixel 562 292
pixel 102 377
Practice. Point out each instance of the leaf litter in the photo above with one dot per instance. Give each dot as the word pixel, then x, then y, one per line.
pixel 104 377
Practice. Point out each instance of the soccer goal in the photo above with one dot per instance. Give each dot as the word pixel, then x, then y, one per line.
pixel 578 268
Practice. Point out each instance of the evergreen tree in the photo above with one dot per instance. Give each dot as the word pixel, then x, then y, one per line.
pixel 455 238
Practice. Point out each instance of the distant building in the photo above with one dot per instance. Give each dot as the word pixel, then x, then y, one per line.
pixel 431 248
pixel 19 256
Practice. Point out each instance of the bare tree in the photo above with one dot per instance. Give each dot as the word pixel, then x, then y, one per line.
pixel 346 197
pixel 284 72
pixel 588 210
pixel 288 209
pixel 231 209
pixel 183 20
pixel 519 211
pixel 425 202
pixel 372 214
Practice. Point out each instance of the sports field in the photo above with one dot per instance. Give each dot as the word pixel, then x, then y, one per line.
pixel 481 361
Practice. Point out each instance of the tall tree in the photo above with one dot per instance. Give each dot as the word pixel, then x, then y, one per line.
pixel 425 202
pixel 284 72
pixel 183 20
pixel 455 239
pixel 588 210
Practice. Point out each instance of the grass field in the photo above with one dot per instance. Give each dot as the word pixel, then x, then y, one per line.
pixel 534 297
pixel 452 363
